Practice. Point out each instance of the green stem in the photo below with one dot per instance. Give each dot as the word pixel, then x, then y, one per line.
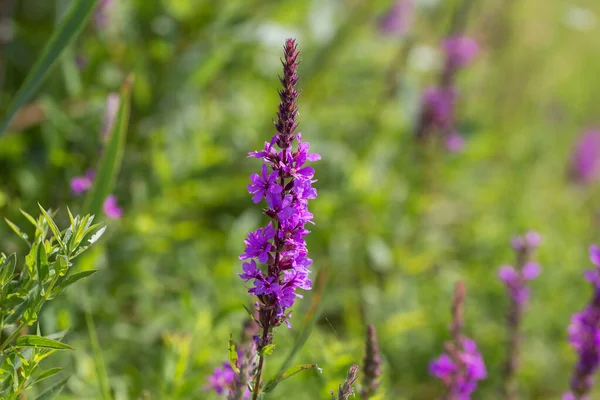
pixel 12 336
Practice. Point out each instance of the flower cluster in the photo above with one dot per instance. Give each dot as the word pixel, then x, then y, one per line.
pixel 275 258
pixel 438 102
pixel 222 380
pixel 462 366
pixel 515 279
pixel 460 374
pixel 584 336
pixel 585 161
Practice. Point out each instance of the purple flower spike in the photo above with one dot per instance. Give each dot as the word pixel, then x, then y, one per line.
pixel 278 262
pixel 584 336
pixel 111 208
pixel 462 366
pixel 515 279
pixel 460 51
pixel 585 160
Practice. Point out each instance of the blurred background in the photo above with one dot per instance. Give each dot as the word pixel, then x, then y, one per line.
pixel 397 221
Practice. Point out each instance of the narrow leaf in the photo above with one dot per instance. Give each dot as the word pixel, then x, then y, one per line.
pixel 41 262
pixel 65 32
pixel 71 279
pixel 277 379
pixel 53 391
pixel 47 374
pixel 233 355
pixel 41 342
pixel 267 350
pixel 8 269
pixel 52 225
pixel 110 162
pixel 18 231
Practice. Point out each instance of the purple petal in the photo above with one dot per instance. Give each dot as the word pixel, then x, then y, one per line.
pixel 507 274
pixel 531 270
pixel 595 255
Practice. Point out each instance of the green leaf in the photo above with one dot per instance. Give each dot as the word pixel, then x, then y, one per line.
pixel 47 374
pixel 71 279
pixel 277 379
pixel 8 269
pixel 97 235
pixel 53 391
pixel 267 350
pixel 18 231
pixel 233 355
pixel 62 264
pixel 41 342
pixel 65 32
pixel 41 262
pixel 53 226
pixel 110 162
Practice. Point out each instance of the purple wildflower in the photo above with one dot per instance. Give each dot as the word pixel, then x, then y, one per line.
pixel 515 280
pixel 584 336
pixel 437 119
pixel 398 20
pixel 585 161
pixel 286 184
pixel 81 184
pixel 258 244
pixel 111 208
pixel 462 365
pixel 460 51
pixel 222 380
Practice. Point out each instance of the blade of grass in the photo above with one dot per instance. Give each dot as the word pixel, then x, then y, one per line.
pixel 110 162
pixel 98 359
pixel 65 32
pixel 310 318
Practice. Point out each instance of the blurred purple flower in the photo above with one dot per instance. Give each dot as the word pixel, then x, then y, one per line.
pixel 455 143
pixel 81 184
pixel 398 20
pixel 222 380
pixel 102 13
pixel 461 366
pixel 111 209
pixel 437 107
pixel 585 160
pixel 584 336
pixel 515 280
pixel 110 114
pixel 460 51
pixel 460 377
